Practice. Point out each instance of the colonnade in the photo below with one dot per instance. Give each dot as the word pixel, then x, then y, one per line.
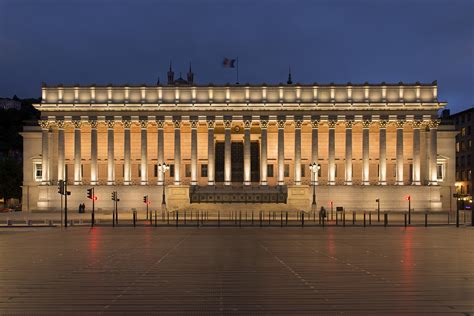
pixel 247 123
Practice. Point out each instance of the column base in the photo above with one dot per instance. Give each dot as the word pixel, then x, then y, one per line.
pixel 177 182
pixel 160 182
pixel 211 183
pixel 110 182
pixel 348 182
pixel 297 182
pixel 365 183
pixel 382 182
pixel 433 183
pixel 77 182
pixel 264 182
pixel 399 183
pixel 281 182
pixel 144 182
pixel 247 182
pixel 332 182
pixel 194 182
pixel 95 182
pixel 416 183
pixel 127 182
pixel 227 183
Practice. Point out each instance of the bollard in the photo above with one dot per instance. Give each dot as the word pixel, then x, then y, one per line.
pixel 426 219
pixel 9 222
pixel 281 219
pixel 240 218
pixel 337 219
pixel 252 218
pixel 370 218
pixel 134 219
pixel 197 218
pixel 177 218
pixel 286 220
pixel 405 219
pixel 385 219
pixel 156 218
pixel 364 219
pixel 260 218
pixel 322 220
pixel 218 219
pixel 343 218
pixel 30 222
pixel 168 218
pixel 302 219
pixel 269 218
pixel 353 218
pixel 184 217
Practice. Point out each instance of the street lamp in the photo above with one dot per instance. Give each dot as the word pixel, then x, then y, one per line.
pixel 378 209
pixel 314 167
pixel 163 168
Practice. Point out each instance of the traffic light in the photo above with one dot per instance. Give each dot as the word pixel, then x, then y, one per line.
pixel 61 187
pixel 89 194
pixel 145 199
pixel 377 200
pixel 95 197
pixel 114 196
pixel 408 198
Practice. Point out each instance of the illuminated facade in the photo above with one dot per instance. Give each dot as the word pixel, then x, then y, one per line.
pixel 249 146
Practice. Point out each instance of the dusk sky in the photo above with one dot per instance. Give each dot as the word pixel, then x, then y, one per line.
pixel 133 41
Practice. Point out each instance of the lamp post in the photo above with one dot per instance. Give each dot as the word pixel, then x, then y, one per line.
pixel 163 168
pixel 378 209
pixel 314 167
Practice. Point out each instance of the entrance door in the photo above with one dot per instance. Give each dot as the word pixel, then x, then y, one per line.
pixel 219 161
pixel 254 162
pixel 237 162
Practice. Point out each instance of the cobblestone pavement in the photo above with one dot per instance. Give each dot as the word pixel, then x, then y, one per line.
pixel 212 270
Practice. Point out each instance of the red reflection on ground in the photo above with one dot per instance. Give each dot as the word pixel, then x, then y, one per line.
pixel 94 235
pixel 407 259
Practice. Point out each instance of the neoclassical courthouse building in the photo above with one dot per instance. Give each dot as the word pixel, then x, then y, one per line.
pixel 241 146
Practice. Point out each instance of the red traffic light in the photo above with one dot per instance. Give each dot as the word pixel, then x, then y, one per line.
pixel 408 198
pixel 95 198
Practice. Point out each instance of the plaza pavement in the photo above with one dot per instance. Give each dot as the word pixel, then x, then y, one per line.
pixel 231 270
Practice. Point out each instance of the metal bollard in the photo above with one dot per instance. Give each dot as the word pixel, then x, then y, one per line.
pixel 286 220
pixel 364 219
pixel 134 219
pixel 370 218
pixel 260 218
pixel 168 217
pixel 302 219
pixel 177 218
pixel 405 218
pixel 281 219
pixel 184 217
pixel 156 218
pixel 343 218
pixel 240 218
pixel 252 218
pixel 269 218
pixel 197 218
pixel 353 218
pixel 426 219
pixel 385 219
pixel 218 219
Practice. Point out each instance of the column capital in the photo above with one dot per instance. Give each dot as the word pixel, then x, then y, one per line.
pixel 315 123
pixel 247 124
pixel 332 123
pixel 298 124
pixel 349 123
pixel 433 123
pixel 227 124
pixel 60 124
pixel 127 123
pixel 194 124
pixel 110 124
pixel 177 124
pixel 400 123
pixel 77 124
pixel 143 124
pixel 211 124
pixel 45 124
pixel 416 123
pixel 281 124
pixel 366 123
pixel 160 124
pixel 93 123
pixel 263 124
pixel 383 123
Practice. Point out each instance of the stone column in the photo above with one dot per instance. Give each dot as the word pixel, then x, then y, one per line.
pixel 210 153
pixel 263 152
pixel 416 175
pixel 77 152
pixel 144 152
pixel 365 152
pixel 126 155
pixel 94 170
pixel 44 152
pixel 314 149
pixel 399 153
pixel 227 153
pixel 61 160
pixel 332 153
pixel 348 168
pixel 161 153
pixel 177 152
pixel 281 152
pixel 247 177
pixel 194 152
pixel 433 152
pixel 383 152
pixel 110 153
pixel 298 124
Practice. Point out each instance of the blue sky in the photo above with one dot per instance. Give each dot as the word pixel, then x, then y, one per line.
pixel 132 41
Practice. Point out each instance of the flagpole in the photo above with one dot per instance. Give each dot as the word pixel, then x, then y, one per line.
pixel 237 70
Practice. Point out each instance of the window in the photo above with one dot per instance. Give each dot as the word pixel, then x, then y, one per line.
pixel 440 172
pixel 38 169
pixel 468 130
pixel 469 175
pixel 139 171
pixel 335 170
pixel 463 131
pixel 287 170
pixel 303 168
pixel 468 160
pixel 187 170
pixel 410 175
pixel 171 170
pixel 204 170
pixel 469 144
pixel 270 171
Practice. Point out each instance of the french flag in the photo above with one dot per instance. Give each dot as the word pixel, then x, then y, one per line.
pixel 228 63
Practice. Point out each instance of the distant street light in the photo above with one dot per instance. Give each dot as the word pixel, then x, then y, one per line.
pixel 163 168
pixel 314 167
